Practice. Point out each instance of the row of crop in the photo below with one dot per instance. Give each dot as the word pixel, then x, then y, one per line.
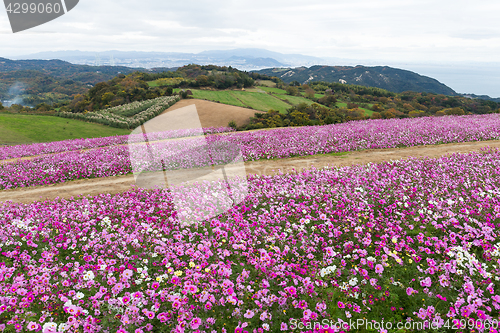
pixel 10 152
pixel 411 241
pixel 116 119
pixel 131 109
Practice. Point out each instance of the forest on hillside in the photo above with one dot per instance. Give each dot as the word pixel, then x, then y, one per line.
pixel 336 103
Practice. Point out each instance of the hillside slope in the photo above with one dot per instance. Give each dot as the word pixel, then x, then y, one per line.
pixel 392 79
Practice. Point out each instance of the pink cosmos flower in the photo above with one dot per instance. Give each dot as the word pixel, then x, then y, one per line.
pixel 249 314
pixel 162 317
pixel 379 269
pixel 426 282
pixel 127 274
pixel 481 315
pixel 32 326
pixel 465 311
pixel 341 305
pixel 469 288
pixel 307 314
pixel 291 290
pixel 195 323
pixel 239 330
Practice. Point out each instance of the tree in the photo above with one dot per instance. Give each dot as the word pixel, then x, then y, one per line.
pixel 388 114
pixel 415 114
pixel 1 106
pixel 378 107
pixel 299 118
pixel 328 100
pixel 107 97
pixel 202 80
pixel 292 91
pixel 309 93
pixel 454 111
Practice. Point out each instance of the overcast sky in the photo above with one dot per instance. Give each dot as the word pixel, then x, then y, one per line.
pixel 417 31
pixel 386 31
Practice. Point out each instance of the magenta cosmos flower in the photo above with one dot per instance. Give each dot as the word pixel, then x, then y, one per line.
pixel 195 323
pixel 426 282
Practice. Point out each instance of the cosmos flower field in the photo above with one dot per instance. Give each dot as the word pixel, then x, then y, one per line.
pixel 404 241
pixel 255 145
pixel 10 152
pixel 410 241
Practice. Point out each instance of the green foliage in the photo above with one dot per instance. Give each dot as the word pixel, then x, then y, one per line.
pixel 454 111
pixel 292 91
pixel 37 87
pixel 298 115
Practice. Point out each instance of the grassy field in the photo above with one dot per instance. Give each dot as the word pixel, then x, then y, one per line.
pixel 254 98
pixel 222 96
pixel 249 99
pixel 273 90
pixel 368 112
pixel 315 95
pixel 295 99
pixel 260 101
pixel 19 129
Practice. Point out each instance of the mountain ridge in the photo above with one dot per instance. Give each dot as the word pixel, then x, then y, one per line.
pixel 385 77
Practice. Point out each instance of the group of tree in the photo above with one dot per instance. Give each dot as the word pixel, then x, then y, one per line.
pixel 386 104
pixel 298 115
pixel 136 86
pixel 380 103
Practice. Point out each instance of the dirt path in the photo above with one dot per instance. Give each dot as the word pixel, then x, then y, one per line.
pixel 264 167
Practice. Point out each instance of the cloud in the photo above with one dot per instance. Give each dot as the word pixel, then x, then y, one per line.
pixel 360 29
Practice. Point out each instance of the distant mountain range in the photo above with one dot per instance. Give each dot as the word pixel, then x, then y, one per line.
pixel 486 97
pixel 392 79
pixel 64 69
pixel 244 59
